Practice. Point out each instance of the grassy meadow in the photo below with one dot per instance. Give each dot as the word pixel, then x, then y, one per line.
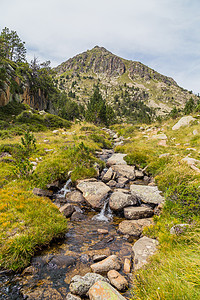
pixel 173 272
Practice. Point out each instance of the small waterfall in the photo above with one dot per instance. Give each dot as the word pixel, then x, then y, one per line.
pixel 105 214
pixel 65 189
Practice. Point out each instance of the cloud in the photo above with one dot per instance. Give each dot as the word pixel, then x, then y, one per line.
pixel 165 34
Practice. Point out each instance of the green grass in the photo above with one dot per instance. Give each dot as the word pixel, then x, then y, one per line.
pixel 173 272
pixel 27 223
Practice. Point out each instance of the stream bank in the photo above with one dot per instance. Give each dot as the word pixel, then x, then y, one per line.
pixel 106 218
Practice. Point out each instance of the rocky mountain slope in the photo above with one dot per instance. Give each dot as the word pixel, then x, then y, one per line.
pixel 123 83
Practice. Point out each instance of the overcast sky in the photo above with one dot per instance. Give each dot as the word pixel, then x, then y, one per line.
pixel 163 34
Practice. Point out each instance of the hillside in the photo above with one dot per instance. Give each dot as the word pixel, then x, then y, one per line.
pixel 125 84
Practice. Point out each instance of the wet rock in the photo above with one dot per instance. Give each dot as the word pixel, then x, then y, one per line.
pixel 112 183
pixel 41 293
pixel 80 285
pixel 42 193
pixel 94 193
pixel 108 175
pixel 102 231
pixel 119 200
pixel 184 121
pixel 72 297
pixel 75 197
pixel 77 216
pixel 117 280
pixel 127 265
pixel 104 291
pixel 143 249
pixel 100 257
pixel 31 270
pixel 54 186
pixel 135 213
pixel 63 261
pixel 67 210
pixel 110 263
pixel 103 243
pixel 116 159
pixel 147 194
pixel 84 258
pixel 105 251
pixel 134 227
pixel 125 171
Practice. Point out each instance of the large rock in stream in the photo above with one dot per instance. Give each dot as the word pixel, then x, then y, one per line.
pixel 125 171
pixel 104 291
pixel 80 285
pixel 110 263
pixel 119 200
pixel 94 192
pixel 135 213
pixel 134 227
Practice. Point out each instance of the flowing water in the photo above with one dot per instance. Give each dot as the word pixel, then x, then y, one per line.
pixel 51 270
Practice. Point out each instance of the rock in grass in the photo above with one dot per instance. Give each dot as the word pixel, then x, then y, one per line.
pixel 135 213
pixel 184 121
pixel 104 291
pixel 42 193
pixel 80 285
pixel 110 263
pixel 117 280
pixel 143 249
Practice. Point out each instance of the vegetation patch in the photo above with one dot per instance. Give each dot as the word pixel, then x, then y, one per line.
pixel 27 223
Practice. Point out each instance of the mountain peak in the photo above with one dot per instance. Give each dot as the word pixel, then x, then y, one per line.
pixel 119 79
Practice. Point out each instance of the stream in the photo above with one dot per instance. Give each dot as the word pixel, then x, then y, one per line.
pixel 51 270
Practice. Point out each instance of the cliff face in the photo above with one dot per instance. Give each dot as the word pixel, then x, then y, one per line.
pixel 36 100
pixel 125 80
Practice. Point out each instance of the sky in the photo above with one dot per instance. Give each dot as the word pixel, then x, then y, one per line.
pixel 162 34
